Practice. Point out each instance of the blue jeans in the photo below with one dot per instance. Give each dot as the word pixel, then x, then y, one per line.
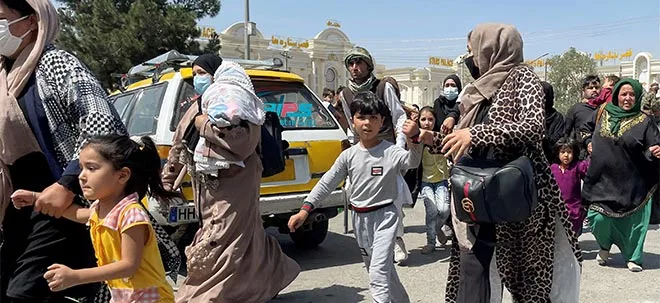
pixel 436 202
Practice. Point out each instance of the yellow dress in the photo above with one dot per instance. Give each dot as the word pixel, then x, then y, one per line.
pixel 434 167
pixel 149 284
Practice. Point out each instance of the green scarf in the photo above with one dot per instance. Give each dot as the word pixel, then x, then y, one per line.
pixel 616 113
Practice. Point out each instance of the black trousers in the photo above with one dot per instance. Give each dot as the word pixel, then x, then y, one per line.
pixel 474 282
pixel 32 241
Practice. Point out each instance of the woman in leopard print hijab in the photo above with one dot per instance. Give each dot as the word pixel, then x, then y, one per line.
pixel 537 259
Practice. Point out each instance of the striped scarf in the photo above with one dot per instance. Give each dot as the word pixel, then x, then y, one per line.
pixel 365 86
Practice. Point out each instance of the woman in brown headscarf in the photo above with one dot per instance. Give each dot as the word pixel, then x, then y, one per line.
pixel 502 112
pixel 50 101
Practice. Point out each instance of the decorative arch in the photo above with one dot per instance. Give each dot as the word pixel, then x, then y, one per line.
pixel 238 30
pixel 332 34
pixel 642 67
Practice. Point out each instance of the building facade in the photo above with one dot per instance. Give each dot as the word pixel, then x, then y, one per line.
pixel 643 68
pixel 318 60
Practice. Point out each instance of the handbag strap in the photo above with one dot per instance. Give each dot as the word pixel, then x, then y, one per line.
pixel 466 199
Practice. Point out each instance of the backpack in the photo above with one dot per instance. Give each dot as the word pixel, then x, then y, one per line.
pixel 272 148
pixel 380 88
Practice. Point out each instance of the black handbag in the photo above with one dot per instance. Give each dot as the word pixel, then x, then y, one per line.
pixel 488 192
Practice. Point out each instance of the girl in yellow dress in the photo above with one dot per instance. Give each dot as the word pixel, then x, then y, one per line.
pixel 116 173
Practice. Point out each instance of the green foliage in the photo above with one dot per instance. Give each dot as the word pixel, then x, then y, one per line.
pixel 566 73
pixel 214 44
pixel 111 36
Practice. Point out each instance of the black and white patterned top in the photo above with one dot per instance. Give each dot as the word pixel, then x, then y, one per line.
pixel 76 105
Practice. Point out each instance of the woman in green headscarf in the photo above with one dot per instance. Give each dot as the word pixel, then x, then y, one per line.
pixel 622 176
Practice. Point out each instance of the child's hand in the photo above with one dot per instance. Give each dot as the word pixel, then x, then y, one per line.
pixel 297 220
pixel 448 125
pixel 22 198
pixel 60 277
pixel 410 128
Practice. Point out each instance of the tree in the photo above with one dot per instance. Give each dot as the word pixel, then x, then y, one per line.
pixel 566 74
pixel 111 36
pixel 214 44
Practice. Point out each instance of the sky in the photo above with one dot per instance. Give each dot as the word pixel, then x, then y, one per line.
pixel 407 33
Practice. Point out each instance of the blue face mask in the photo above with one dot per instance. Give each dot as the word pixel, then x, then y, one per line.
pixel 451 93
pixel 201 83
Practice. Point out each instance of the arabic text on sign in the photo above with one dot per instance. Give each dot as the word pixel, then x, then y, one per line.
pixel 288 42
pixel 537 63
pixel 610 55
pixel 333 23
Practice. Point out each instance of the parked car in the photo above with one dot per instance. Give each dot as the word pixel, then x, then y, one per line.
pixel 155 95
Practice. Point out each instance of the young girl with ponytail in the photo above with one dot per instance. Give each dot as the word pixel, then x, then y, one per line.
pixel 117 172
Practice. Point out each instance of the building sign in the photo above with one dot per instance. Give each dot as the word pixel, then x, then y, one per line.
pixel 537 63
pixel 610 55
pixel 288 42
pixel 333 23
pixel 207 32
pixel 441 61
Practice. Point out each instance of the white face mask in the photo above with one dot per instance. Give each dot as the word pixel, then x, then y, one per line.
pixel 8 42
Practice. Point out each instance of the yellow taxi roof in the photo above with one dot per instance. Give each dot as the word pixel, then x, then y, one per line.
pixel 186 73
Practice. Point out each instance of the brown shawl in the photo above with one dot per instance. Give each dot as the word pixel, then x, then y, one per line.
pixel 497 49
pixel 16 137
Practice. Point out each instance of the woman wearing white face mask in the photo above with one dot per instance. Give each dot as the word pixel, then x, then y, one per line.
pixel 50 103
pixel 445 107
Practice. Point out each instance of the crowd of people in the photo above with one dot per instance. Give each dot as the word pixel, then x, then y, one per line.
pixel 67 162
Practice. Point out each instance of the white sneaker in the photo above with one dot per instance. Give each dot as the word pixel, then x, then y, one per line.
pixel 602 257
pixel 427 249
pixel 441 236
pixel 634 267
pixel 400 252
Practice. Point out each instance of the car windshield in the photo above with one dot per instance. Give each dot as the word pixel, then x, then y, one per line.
pixel 139 108
pixel 295 104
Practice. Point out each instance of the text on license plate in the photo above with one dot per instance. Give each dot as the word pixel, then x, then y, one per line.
pixel 182 214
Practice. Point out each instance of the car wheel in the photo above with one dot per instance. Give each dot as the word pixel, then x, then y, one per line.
pixel 310 238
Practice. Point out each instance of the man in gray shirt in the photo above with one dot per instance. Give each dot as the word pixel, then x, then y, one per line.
pixel 374 166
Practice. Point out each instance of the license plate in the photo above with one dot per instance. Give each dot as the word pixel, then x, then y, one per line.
pixel 182 214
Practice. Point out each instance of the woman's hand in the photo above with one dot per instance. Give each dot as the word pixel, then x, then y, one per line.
pixel 426 137
pixel 590 148
pixel 22 198
pixel 655 150
pixel 297 220
pixel 457 143
pixel 54 200
pixel 61 277
pixel 448 125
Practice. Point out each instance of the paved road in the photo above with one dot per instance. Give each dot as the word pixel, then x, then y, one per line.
pixel 335 273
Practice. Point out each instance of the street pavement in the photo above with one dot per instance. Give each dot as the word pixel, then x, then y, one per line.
pixel 334 272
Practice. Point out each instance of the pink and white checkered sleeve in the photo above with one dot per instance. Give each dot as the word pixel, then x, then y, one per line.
pixel 132 217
